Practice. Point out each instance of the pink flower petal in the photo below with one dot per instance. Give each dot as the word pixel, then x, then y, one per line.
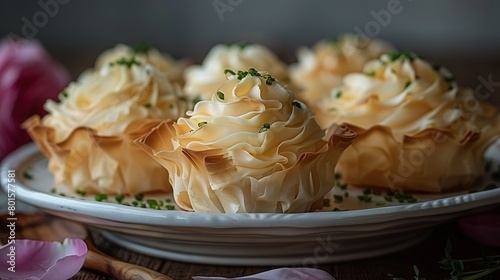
pixel 42 260
pixel 280 273
pixel 483 228
pixel 28 77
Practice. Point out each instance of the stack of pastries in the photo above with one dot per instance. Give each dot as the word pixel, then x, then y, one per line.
pixel 244 132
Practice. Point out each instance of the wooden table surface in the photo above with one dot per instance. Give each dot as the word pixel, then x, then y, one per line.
pixel 424 255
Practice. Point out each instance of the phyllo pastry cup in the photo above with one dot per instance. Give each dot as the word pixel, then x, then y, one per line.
pixel 251 148
pixel 417 130
pixel 432 161
pixel 86 161
pixel 88 137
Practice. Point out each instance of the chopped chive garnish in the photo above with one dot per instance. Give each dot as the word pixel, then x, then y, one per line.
pixel 135 203
pixel 153 204
pixel 101 197
pixel 81 193
pixel 200 124
pixel 53 190
pixel 388 198
pixel 170 207
pixel 365 198
pixel 142 48
pixel 139 197
pixel 326 202
pixel 346 194
pixel 27 175
pixel 338 94
pixel 265 127
pixel 343 186
pixel 65 94
pixel 126 62
pixel 393 56
pixel 253 72
pixel 338 198
pixel 229 71
pixel 380 203
pixel 407 84
pixel 168 200
pixel 338 176
pixel 220 95
pixel 370 73
pixel 119 198
pixel 62 194
pixel 241 74
pixel 269 79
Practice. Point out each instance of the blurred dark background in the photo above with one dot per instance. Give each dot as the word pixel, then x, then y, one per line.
pixel 461 35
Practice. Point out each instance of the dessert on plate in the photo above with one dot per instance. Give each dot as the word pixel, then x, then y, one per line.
pixel 202 80
pixel 417 129
pixel 89 135
pixel 251 148
pixel 323 67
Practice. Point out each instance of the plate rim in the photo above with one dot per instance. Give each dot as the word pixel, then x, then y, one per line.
pixel 179 218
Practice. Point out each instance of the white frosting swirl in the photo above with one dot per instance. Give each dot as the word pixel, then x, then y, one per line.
pixel 114 100
pixel 163 62
pixel 405 94
pixel 251 148
pixel 203 80
pixel 246 106
pixel 320 69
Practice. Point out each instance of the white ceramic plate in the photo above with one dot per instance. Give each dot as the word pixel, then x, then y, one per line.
pixel 367 229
